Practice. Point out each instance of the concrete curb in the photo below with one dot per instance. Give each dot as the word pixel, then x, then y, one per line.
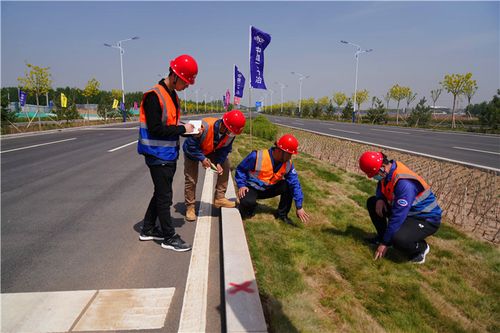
pixel 243 306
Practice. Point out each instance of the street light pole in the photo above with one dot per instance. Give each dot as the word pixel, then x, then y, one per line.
pixel 301 78
pixel 282 86
pixel 358 52
pixel 118 46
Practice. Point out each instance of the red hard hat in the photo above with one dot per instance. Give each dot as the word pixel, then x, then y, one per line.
pixel 370 162
pixel 288 143
pixel 234 121
pixel 185 67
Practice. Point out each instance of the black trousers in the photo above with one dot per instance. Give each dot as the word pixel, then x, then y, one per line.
pixel 249 201
pixel 159 206
pixel 410 238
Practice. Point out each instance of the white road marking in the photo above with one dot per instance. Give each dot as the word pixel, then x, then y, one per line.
pixel 112 128
pixel 90 310
pixel 128 144
pixel 194 308
pixel 334 129
pixel 38 145
pixel 399 149
pixel 480 151
pixel 381 130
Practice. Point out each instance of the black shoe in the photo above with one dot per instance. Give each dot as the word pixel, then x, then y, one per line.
pixel 285 219
pixel 246 215
pixel 373 240
pixel 153 234
pixel 420 258
pixel 175 243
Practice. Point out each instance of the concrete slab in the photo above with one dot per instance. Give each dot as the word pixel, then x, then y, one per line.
pixel 43 311
pixel 127 309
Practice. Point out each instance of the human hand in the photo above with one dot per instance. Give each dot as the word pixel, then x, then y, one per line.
pixel 242 192
pixel 380 208
pixel 200 132
pixel 206 163
pixel 302 215
pixel 219 169
pixel 189 127
pixel 380 252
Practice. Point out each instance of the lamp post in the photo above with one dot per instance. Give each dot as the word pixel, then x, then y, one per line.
pixel 358 52
pixel 301 78
pixel 271 92
pixel 282 86
pixel 118 46
pixel 196 93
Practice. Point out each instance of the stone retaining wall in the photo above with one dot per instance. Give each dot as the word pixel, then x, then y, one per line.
pixel 469 197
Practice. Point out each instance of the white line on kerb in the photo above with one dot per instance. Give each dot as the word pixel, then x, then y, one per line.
pixel 128 144
pixel 381 130
pixel 334 129
pixel 33 146
pixel 480 151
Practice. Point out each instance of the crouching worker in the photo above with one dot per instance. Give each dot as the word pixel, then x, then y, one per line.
pixel 268 173
pixel 211 148
pixel 404 210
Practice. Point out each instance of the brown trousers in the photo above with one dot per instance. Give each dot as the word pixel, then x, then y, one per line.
pixel 191 178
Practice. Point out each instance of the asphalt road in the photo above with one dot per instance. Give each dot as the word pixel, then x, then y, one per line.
pixel 71 211
pixel 472 149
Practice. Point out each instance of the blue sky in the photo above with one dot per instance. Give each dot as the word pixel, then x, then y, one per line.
pixel 415 44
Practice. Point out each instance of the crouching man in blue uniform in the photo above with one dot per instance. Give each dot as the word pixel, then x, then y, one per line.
pixel 268 173
pixel 404 210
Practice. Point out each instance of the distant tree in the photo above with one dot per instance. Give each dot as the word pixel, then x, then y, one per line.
pixel 8 115
pixel 455 84
pixel 339 98
pixel 91 89
pixel 410 97
pixel 470 89
pixel 37 81
pixel 361 97
pixel 488 113
pixel 307 107
pixel 321 106
pixel 397 93
pixel 387 99
pixel 348 110
pixel 420 115
pixel 377 114
pixel 374 100
pixel 435 96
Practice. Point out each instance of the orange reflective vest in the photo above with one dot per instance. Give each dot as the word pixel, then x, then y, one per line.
pixel 164 148
pixel 263 175
pixel 207 138
pixel 424 203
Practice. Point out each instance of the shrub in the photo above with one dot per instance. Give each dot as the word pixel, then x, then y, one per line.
pixel 262 128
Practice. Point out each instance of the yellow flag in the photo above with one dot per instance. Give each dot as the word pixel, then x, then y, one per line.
pixel 115 104
pixel 64 100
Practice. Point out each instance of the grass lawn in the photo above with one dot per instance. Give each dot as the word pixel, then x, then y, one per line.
pixel 321 277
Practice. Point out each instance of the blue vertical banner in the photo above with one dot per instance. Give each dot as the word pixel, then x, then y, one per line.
pixel 239 83
pixel 224 101
pixel 51 104
pixel 22 98
pixel 259 40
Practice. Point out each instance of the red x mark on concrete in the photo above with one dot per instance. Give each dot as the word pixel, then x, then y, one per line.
pixel 240 287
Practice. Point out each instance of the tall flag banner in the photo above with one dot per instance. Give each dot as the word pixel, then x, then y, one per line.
pixel 135 105
pixel 259 40
pixel 224 101
pixel 22 97
pixel 51 104
pixel 115 104
pixel 122 106
pixel 228 98
pixel 64 100
pixel 239 83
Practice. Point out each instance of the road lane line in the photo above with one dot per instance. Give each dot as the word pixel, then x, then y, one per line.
pixel 194 306
pixel 112 129
pixel 381 130
pixel 334 129
pixel 38 145
pixel 480 151
pixel 85 310
pixel 128 144
pixel 398 149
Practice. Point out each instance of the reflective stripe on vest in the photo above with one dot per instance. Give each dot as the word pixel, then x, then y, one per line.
pixel 263 175
pixel 207 138
pixel 165 148
pixel 403 172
